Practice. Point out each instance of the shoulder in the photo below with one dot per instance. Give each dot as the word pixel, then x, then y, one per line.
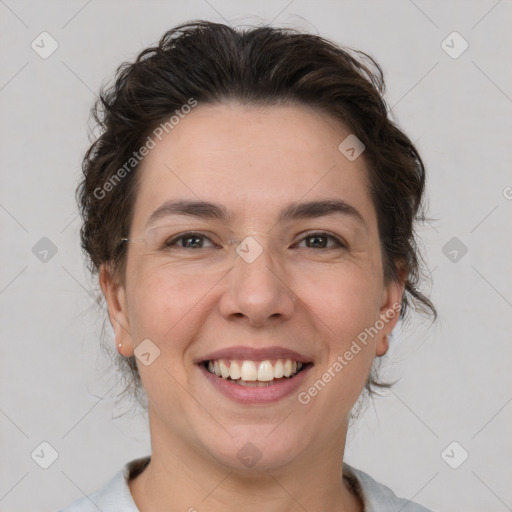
pixel 115 496
pixel 377 497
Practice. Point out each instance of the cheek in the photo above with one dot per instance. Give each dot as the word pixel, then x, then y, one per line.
pixel 158 306
pixel 167 312
pixel 343 305
pixel 346 299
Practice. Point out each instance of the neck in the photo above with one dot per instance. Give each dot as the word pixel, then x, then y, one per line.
pixel 183 477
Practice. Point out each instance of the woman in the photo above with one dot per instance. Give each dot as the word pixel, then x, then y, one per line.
pixel 249 209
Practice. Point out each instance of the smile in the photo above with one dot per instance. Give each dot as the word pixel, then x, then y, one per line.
pixel 254 373
pixel 250 375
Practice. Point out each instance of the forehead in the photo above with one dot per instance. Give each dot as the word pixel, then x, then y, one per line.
pixel 253 160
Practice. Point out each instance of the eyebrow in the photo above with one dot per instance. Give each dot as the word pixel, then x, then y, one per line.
pixel 199 209
pixel 293 211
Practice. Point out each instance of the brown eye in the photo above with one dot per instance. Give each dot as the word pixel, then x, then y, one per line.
pixel 192 242
pixel 189 241
pixel 322 241
pixel 317 241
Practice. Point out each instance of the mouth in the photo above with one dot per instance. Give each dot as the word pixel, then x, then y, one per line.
pixel 251 373
pixel 255 375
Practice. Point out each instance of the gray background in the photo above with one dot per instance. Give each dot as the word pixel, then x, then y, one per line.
pixel 56 384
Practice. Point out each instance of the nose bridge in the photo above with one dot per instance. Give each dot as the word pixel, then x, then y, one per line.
pixel 258 287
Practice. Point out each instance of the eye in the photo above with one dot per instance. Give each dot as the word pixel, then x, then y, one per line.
pixel 190 240
pixel 322 240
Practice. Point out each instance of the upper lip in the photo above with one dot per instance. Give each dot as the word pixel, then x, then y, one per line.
pixel 254 354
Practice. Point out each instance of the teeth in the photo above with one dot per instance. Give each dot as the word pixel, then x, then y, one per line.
pixel 248 371
pixel 253 384
pixel 224 370
pixel 251 373
pixel 265 371
pixel 234 370
pixel 287 368
pixel 278 369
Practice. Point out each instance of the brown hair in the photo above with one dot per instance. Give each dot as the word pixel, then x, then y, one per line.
pixel 212 63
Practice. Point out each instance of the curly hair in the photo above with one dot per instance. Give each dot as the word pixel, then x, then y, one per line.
pixel 213 63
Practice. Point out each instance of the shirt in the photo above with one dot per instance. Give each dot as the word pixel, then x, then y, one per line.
pixel 115 496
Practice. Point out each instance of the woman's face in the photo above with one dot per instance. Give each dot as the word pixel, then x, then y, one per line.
pixel 283 267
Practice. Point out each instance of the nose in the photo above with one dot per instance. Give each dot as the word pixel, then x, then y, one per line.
pixel 258 290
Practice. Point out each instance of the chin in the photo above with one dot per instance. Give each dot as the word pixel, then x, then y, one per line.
pixel 255 449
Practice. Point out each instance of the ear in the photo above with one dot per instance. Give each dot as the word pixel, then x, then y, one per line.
pixel 390 311
pixel 115 296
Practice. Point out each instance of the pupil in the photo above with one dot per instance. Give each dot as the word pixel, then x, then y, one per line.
pixel 194 241
pixel 318 241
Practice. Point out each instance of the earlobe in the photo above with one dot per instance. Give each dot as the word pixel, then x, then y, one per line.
pixel 115 298
pixel 388 318
pixel 122 338
pixel 389 313
pixel 382 346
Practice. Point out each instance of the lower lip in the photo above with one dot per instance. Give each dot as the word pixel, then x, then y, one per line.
pixel 256 395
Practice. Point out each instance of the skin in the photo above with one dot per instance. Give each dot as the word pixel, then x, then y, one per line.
pixel 253 160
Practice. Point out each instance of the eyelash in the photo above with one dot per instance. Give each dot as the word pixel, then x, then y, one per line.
pixel 339 243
